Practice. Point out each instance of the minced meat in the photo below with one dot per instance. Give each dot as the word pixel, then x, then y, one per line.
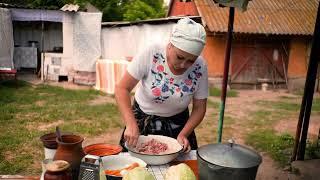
pixel 152 147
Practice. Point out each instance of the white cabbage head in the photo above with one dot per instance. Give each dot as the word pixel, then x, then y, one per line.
pixel 138 173
pixel 180 172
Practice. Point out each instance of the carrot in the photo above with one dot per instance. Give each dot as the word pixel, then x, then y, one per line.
pixel 132 166
pixel 112 172
pixel 117 171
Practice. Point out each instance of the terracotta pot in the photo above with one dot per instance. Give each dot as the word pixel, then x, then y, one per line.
pixel 49 140
pixel 70 150
pixel 57 170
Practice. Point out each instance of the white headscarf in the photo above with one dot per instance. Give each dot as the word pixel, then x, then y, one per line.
pixel 188 36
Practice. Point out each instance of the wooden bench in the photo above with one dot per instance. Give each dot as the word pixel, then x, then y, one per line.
pixel 10 72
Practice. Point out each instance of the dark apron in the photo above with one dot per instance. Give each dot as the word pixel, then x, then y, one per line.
pixel 166 126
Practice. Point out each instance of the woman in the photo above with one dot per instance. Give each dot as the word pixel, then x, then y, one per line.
pixel 170 76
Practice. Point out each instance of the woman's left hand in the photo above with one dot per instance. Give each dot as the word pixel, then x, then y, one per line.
pixel 183 140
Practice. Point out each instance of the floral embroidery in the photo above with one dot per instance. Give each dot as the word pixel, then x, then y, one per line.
pixel 164 86
pixel 156 91
pixel 160 68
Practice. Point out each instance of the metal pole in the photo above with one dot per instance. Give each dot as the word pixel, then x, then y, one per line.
pixel 42 51
pixel 226 72
pixel 304 117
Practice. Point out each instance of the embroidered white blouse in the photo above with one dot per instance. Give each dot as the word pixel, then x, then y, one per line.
pixel 161 92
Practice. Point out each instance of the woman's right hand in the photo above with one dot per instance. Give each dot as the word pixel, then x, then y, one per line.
pixel 131 134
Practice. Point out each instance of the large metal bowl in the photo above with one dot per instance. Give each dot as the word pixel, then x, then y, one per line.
pixel 174 149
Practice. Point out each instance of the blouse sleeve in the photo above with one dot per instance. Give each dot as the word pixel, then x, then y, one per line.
pixel 203 92
pixel 139 66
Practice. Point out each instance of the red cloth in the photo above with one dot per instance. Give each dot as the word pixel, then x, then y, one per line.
pixel 12 71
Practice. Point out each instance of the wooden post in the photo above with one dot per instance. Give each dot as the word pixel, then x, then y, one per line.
pixel 304 117
pixel 226 72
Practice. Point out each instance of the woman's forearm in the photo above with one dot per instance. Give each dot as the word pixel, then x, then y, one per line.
pixel 124 104
pixel 123 98
pixel 197 115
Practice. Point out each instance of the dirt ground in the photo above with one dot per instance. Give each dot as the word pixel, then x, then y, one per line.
pixel 238 106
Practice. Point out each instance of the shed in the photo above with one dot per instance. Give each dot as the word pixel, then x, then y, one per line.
pixel 59 44
pixel 271 40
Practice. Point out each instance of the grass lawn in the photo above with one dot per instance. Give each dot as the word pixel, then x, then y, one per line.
pixel 265 138
pixel 27 112
pixel 217 92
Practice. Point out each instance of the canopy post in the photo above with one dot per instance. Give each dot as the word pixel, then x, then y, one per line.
pixel 226 72
pixel 306 105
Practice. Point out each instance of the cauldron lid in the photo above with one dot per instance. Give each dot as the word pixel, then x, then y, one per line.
pixel 229 155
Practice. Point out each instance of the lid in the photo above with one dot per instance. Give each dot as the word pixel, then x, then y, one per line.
pixel 229 155
pixel 57 165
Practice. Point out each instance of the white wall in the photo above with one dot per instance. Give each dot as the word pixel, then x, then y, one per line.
pixel 126 41
pixel 6 39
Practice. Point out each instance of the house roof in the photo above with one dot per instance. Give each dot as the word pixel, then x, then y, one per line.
pixel 67 7
pixel 149 21
pixel 279 17
pixel 70 7
pixel 179 8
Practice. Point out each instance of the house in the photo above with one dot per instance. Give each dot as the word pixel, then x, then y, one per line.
pixel 271 41
pixel 60 44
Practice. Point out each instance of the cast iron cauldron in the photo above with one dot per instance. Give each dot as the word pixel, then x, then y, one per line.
pixel 227 161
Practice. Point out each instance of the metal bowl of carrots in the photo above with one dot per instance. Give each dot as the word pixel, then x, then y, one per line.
pixel 115 166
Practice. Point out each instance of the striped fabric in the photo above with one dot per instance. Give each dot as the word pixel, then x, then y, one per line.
pixel 108 73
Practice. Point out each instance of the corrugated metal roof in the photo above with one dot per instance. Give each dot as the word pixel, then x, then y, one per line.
pixel 150 21
pixel 70 7
pixel 286 17
pixel 4 5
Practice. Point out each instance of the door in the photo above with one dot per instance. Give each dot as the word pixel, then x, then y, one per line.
pixel 258 62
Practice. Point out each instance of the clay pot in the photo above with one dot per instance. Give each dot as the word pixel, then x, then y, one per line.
pixel 57 170
pixel 70 150
pixel 49 141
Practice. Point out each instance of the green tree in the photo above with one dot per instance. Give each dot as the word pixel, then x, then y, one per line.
pixel 143 9
pixel 158 6
pixel 112 9
pixel 155 4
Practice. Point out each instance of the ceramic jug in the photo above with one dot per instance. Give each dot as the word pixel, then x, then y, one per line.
pixel 70 150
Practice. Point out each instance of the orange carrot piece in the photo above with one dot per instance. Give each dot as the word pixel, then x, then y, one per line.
pixel 117 172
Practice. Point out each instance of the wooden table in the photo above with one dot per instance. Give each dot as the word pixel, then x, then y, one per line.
pixel 10 72
pixel 158 171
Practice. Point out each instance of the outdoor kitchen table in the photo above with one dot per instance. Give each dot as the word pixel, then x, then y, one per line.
pixel 158 171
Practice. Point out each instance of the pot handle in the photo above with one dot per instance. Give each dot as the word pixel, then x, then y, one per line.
pixel 231 142
pixel 215 167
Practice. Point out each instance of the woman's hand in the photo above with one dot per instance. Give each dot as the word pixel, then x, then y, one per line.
pixel 197 114
pixel 183 140
pixel 123 98
pixel 131 134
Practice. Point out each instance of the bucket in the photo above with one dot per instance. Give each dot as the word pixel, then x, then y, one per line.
pixel 264 86
pixel 50 145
